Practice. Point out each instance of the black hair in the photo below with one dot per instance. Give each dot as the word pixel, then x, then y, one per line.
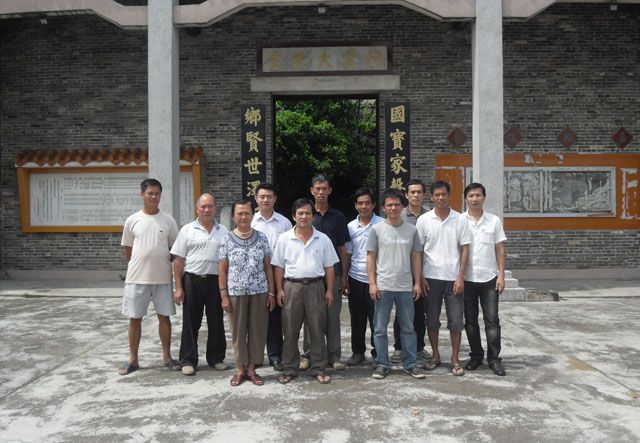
pixel 320 178
pixel 300 203
pixel 416 181
pixel 364 190
pixel 266 186
pixel 241 203
pixel 440 184
pixel 149 182
pixel 393 193
pixel 474 185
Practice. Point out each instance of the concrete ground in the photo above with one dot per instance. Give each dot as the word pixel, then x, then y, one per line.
pixel 573 374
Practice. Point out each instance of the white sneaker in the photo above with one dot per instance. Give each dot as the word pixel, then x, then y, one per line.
pixel 221 366
pixel 188 370
pixel 305 363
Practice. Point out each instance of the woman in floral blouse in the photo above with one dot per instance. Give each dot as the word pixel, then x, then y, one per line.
pixel 247 289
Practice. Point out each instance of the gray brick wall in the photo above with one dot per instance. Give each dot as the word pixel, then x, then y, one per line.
pixel 81 81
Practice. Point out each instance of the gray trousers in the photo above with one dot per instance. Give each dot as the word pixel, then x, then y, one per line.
pixel 334 345
pixel 248 319
pixel 304 303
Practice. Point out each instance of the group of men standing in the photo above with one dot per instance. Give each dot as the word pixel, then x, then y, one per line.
pixel 413 258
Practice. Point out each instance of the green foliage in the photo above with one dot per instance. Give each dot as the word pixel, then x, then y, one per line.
pixel 337 137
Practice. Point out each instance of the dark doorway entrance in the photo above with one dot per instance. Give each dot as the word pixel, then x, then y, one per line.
pixel 337 136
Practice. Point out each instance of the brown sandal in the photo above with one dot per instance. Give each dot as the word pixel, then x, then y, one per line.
pixel 255 379
pixel 323 379
pixel 283 379
pixel 238 379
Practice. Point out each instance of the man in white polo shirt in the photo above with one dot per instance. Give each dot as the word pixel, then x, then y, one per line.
pixel 484 279
pixel 271 224
pixel 303 260
pixel 445 238
pixel 147 237
pixel 195 271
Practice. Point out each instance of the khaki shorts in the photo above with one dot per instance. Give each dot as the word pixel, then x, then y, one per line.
pixel 137 297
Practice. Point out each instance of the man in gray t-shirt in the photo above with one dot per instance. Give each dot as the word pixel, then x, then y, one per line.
pixel 394 263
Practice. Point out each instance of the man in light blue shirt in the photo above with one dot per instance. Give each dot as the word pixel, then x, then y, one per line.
pixel 361 306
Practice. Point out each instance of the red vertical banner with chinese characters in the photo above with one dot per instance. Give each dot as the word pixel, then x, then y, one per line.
pixel 398 143
pixel 254 148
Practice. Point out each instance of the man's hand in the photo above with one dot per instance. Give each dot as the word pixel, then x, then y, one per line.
pixel 226 304
pixel 417 291
pixel 500 285
pixel 374 293
pixel 344 286
pixel 425 286
pixel 271 302
pixel 281 298
pixel 328 296
pixel 178 296
pixel 458 285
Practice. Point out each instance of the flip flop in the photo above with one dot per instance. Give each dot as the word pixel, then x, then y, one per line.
pixel 173 365
pixel 323 379
pixel 255 379
pixel 457 370
pixel 237 379
pixel 431 364
pixel 283 379
pixel 128 368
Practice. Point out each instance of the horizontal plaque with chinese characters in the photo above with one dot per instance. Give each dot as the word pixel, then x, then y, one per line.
pixel 398 145
pixel 324 60
pixel 253 147
pixel 94 199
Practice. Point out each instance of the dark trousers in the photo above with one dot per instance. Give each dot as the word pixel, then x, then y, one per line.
pixel 488 296
pixel 202 294
pixel 274 335
pixel 361 309
pixel 419 325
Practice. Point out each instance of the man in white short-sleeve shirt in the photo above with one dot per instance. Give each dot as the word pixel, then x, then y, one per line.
pixel 303 261
pixel 272 224
pixel 445 239
pixel 195 271
pixel 484 279
pixel 147 237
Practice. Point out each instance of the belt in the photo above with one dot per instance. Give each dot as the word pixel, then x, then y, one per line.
pixel 202 276
pixel 304 281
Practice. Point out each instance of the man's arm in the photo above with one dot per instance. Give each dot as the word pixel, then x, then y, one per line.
pixel 268 269
pixel 374 293
pixel 127 252
pixel 458 285
pixel 416 270
pixel 345 261
pixel 501 264
pixel 329 275
pixel 178 270
pixel 279 277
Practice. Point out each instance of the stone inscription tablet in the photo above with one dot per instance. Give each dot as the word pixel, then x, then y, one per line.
pixel 95 199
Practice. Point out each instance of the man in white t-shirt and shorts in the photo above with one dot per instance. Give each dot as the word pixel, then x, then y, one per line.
pixel 445 240
pixel 147 238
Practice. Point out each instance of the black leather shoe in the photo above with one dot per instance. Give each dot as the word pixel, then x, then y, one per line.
pixel 473 364
pixel 497 368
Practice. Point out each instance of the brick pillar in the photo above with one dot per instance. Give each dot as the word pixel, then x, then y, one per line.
pixel 164 133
